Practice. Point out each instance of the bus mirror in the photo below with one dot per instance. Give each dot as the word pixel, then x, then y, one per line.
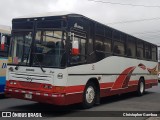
pixel 75 47
pixel 2 43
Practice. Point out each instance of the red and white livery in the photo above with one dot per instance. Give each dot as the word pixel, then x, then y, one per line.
pixel 46 67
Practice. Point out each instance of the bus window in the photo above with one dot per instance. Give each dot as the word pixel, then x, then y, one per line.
pixel 100 30
pixel 147 51
pixel 131 47
pixel 154 53
pixel 4 52
pixel 81 58
pixel 21 43
pixel 99 47
pixel 50 48
pixel 116 35
pixel 108 33
pixel 99 43
pixel 140 49
pixel 107 45
pixel 90 46
pixel 118 47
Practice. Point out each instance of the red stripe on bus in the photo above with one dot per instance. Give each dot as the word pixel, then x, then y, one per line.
pixel 76 88
pixel 123 79
pixel 72 95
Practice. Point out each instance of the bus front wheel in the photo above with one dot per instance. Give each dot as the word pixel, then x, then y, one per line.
pixel 89 95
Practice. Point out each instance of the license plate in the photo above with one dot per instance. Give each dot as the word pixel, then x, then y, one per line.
pixel 28 96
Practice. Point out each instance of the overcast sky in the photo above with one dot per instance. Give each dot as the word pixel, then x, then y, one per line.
pixel 107 13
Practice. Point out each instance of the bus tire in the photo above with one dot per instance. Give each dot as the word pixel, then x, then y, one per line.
pixel 89 95
pixel 141 87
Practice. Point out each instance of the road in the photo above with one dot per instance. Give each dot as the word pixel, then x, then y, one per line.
pixel 150 101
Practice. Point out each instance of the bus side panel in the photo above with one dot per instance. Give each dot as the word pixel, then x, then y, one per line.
pixel 116 78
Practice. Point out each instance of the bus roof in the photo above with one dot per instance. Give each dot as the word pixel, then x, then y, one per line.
pixel 48 14
pixel 5 29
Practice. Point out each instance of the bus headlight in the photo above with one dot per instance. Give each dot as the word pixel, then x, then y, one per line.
pixel 13 83
pixel 11 69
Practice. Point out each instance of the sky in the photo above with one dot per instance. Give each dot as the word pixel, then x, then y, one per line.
pixel 140 18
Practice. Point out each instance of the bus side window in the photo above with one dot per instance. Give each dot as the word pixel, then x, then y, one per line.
pixel 140 49
pixel 154 53
pixel 107 45
pixel 118 48
pixel 82 49
pixel 99 47
pixel 147 51
pixel 131 47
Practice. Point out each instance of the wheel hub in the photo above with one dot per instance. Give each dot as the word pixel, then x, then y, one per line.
pixel 90 94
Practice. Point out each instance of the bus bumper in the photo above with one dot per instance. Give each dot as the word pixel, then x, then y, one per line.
pixel 56 99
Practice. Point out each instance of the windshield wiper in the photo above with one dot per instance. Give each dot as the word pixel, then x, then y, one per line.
pixel 39 62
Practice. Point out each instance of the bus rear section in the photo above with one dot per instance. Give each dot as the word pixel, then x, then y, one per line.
pixel 4 48
pixel 69 59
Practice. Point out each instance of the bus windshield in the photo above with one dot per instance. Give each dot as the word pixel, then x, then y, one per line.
pixel 20 48
pixel 49 48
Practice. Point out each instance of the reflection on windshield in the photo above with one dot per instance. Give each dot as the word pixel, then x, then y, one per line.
pixel 21 48
pixel 49 49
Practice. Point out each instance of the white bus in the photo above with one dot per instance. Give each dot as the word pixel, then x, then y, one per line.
pixel 5 33
pixel 68 58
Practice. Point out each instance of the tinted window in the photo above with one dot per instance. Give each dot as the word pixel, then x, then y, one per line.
pixel 100 30
pixel 99 43
pixel 131 47
pixel 116 35
pixel 99 47
pixel 147 51
pixel 108 32
pixel 140 49
pixel 154 53
pixel 107 45
pixel 118 47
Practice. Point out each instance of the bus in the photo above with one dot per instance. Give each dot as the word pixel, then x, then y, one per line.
pixel 67 58
pixel 4 48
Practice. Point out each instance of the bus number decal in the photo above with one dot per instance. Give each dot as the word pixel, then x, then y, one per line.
pixel 93 67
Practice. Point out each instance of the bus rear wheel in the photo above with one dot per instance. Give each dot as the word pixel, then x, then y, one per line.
pixel 141 87
pixel 89 95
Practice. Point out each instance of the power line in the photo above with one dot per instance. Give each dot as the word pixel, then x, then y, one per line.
pixel 140 20
pixel 150 35
pixel 158 35
pixel 134 5
pixel 147 32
